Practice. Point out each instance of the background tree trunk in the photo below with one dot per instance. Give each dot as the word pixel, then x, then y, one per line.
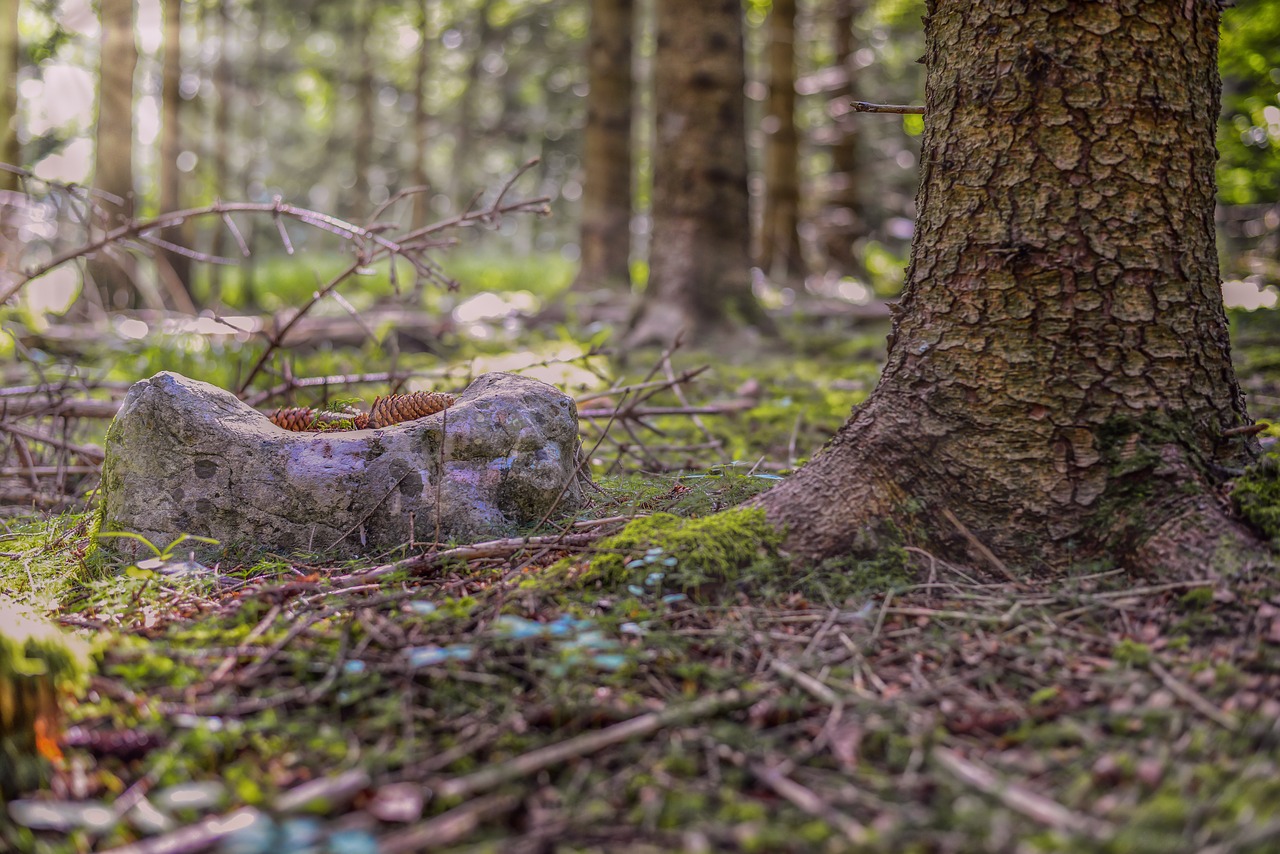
pixel 223 85
pixel 843 213
pixel 10 152
pixel 780 251
pixel 699 268
pixel 113 154
pixel 358 205
pixel 421 124
pixel 606 198
pixel 171 138
pixel 1059 375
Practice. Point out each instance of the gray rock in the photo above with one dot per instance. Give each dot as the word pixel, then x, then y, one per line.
pixel 185 457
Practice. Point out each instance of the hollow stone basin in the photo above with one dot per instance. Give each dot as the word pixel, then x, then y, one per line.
pixel 186 457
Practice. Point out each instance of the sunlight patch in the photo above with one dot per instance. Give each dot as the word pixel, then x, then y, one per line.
pixel 1249 294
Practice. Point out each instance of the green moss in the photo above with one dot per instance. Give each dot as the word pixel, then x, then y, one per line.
pixel 684 554
pixel 1257 494
pixel 1131 652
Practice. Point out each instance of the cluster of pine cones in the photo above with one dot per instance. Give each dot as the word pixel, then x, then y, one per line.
pixel 385 411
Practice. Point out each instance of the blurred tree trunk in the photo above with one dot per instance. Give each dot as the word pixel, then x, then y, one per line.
pixel 10 152
pixel 171 139
pixel 606 196
pixel 699 268
pixel 780 252
pixel 223 84
pixel 843 218
pixel 113 154
pixel 254 122
pixel 421 120
pixel 358 206
pixel 464 136
pixel 1059 377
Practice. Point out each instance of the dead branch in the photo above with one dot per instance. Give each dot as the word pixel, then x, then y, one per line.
pixel 530 763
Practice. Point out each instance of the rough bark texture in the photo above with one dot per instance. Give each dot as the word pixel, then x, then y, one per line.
pixel 780 252
pixel 224 91
pixel 171 137
pixel 699 273
pixel 113 154
pixel 606 196
pixel 10 152
pixel 184 457
pixel 1059 374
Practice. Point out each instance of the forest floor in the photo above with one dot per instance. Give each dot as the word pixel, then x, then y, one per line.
pixel 674 690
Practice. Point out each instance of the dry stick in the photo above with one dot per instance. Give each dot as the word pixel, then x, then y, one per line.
pixel 85 408
pixel 449 827
pixel 135 228
pixel 206 833
pixel 638 412
pixel 979 546
pixel 230 661
pixel 89 452
pixel 1185 693
pixel 802 798
pixel 276 339
pixel 583 459
pixel 336 379
pixel 811 684
pixel 1023 801
pixel 868 107
pixel 586 744
pixel 491 548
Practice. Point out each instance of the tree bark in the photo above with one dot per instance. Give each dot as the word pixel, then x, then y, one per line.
pixel 1059 375
pixel 113 154
pixel 171 138
pixel 699 268
pixel 606 198
pixel 780 252
pixel 10 151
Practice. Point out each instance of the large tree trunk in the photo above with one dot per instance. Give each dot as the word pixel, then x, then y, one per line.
pixel 9 150
pixel 113 155
pixel 699 268
pixel 780 252
pixel 1059 376
pixel 171 138
pixel 606 198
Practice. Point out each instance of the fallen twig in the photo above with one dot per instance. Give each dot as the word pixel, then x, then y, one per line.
pixel 448 827
pixel 1023 801
pixel 586 744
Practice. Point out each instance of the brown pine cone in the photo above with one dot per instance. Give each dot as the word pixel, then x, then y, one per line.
pixel 295 418
pixel 302 418
pixel 395 408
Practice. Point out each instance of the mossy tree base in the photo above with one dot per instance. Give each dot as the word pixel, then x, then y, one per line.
pixel 1059 381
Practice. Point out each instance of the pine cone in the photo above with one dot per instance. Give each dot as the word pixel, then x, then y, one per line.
pixel 302 418
pixel 295 418
pixel 395 408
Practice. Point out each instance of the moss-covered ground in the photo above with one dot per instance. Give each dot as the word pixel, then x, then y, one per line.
pixel 663 678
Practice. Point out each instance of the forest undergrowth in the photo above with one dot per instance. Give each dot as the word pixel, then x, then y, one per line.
pixel 655 674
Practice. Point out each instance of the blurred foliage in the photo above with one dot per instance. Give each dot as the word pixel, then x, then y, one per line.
pixel 1249 136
